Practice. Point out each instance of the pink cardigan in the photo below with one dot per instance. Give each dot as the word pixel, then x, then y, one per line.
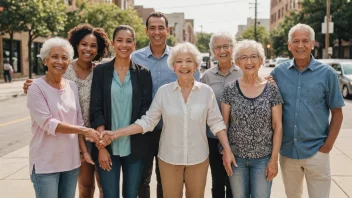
pixel 49 151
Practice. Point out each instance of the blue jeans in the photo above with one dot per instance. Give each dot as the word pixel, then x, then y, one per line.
pixel 110 180
pixel 55 185
pixel 249 180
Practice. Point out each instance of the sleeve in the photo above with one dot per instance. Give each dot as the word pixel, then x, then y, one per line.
pixel 197 75
pixel 153 115
pixel 97 98
pixel 40 111
pixel 147 92
pixel 203 79
pixel 226 96
pixel 214 117
pixel 334 98
pixel 276 98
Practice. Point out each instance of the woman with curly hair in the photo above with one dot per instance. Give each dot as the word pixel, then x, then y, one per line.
pixel 89 44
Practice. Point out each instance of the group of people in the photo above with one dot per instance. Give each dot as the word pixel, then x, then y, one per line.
pixel 88 121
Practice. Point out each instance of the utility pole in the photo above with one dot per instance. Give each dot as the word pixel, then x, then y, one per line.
pixel 327 34
pixel 255 20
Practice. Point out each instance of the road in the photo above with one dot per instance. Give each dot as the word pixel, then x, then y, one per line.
pixel 15 121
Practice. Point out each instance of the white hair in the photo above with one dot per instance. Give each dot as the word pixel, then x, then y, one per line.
pixel 251 44
pixel 304 27
pixel 225 35
pixel 185 47
pixel 56 42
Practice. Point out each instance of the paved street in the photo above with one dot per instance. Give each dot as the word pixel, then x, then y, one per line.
pixel 15 136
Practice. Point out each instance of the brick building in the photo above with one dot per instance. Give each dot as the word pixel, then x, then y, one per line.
pixel 280 8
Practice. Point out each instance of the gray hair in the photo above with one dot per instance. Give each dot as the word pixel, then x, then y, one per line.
pixel 185 47
pixel 252 44
pixel 304 27
pixel 56 42
pixel 225 35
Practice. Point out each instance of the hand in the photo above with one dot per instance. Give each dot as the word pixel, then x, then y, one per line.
pixel 228 159
pixel 106 137
pixel 270 79
pixel 325 148
pixel 88 158
pixel 104 159
pixel 92 135
pixel 27 84
pixel 271 170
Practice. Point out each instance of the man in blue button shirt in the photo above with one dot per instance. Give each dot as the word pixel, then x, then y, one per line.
pixel 311 92
pixel 154 57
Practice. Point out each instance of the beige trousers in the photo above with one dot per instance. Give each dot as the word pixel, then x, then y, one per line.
pixel 174 176
pixel 316 169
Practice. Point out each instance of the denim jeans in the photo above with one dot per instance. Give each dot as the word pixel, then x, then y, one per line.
pixel 55 185
pixel 219 176
pixel 249 180
pixel 110 180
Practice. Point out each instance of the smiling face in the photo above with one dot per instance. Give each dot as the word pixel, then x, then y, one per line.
pixel 223 50
pixel 124 44
pixel 249 61
pixel 157 31
pixel 301 45
pixel 185 66
pixel 57 61
pixel 87 48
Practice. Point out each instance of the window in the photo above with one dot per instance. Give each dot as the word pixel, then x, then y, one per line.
pixel 279 14
pixel 37 64
pixel 16 53
pixel 286 7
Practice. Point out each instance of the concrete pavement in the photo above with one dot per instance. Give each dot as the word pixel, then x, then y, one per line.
pixel 15 182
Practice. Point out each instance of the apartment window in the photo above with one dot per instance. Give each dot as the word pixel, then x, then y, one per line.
pixel 286 7
pixel 282 11
pixel 16 53
pixel 279 14
pixel 108 1
pixel 294 4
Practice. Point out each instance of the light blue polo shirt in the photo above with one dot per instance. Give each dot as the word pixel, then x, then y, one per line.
pixel 121 112
pixel 308 95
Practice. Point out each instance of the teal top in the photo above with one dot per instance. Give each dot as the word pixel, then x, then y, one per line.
pixel 121 111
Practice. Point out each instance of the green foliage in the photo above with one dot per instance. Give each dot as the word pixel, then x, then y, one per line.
pixel 262 34
pixel 10 20
pixel 202 41
pixel 171 40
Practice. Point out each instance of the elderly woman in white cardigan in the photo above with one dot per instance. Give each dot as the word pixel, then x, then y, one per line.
pixel 185 107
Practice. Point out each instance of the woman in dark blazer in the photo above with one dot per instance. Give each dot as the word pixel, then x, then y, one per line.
pixel 121 93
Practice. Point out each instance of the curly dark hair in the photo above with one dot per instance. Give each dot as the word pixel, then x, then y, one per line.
pixel 76 34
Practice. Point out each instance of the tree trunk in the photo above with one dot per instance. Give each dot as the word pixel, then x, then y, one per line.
pixel 340 48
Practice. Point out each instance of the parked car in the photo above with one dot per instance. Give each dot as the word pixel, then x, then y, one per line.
pixel 343 68
pixel 267 62
pixel 277 61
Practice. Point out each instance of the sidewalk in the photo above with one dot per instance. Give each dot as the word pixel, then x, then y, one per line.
pixel 10 90
pixel 15 182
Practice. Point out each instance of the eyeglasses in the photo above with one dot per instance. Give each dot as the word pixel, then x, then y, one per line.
pixel 253 57
pixel 225 47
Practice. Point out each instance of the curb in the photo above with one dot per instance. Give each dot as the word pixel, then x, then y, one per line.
pixel 4 98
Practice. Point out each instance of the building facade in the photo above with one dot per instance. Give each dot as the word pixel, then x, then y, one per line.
pixel 182 29
pixel 280 8
pixel 143 12
pixel 250 22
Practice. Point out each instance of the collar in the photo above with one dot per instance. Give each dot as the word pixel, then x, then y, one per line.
pixel 232 68
pixel 311 65
pixel 175 85
pixel 149 52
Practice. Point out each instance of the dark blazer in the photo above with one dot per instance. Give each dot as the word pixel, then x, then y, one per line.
pixel 100 104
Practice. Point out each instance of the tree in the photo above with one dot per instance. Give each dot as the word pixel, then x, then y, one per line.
pixel 10 21
pixel 202 41
pixel 262 34
pixel 41 18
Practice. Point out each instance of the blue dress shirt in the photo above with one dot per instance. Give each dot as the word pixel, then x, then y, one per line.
pixel 308 95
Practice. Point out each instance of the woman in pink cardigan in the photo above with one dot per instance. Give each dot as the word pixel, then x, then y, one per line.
pixel 57 126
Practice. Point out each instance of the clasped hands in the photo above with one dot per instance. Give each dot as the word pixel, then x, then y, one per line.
pixel 100 139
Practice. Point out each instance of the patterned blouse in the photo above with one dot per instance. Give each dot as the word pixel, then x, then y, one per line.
pixel 84 87
pixel 250 132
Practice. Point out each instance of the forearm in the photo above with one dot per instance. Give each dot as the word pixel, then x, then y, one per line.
pixel 101 128
pixel 82 144
pixel 127 131
pixel 277 139
pixel 335 125
pixel 65 128
pixel 222 136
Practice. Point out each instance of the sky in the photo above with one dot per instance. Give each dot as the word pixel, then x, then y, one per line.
pixel 213 15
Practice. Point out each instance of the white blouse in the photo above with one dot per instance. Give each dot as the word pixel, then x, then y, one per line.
pixel 183 138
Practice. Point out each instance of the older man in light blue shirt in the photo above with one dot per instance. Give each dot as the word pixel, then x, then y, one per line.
pixel 311 92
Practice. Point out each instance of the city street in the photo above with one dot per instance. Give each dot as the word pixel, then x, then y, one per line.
pixel 15 136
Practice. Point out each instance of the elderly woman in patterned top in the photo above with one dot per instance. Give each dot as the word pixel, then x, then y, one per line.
pixel 252 110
